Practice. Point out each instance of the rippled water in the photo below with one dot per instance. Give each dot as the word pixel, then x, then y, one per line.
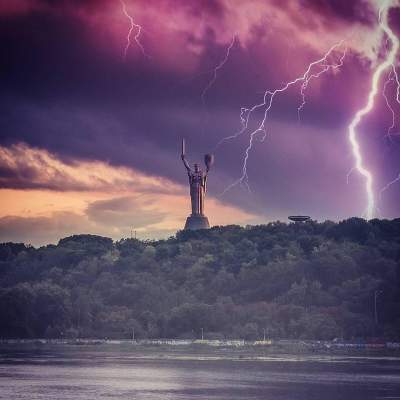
pixel 87 374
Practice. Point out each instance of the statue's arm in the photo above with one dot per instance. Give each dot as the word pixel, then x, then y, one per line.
pixel 185 163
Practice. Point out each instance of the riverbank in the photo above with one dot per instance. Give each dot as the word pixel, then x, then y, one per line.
pixel 164 348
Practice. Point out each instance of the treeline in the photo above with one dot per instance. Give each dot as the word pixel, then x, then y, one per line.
pixel 310 280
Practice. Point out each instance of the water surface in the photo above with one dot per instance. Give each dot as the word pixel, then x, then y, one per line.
pixel 84 373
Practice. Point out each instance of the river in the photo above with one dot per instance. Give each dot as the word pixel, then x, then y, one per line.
pixel 85 373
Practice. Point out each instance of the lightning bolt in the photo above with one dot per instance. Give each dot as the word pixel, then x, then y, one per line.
pixel 396 76
pixel 243 122
pixel 390 79
pixel 352 132
pixel 304 85
pixel 387 186
pixel 348 175
pixel 216 69
pixel 133 26
pixel 267 103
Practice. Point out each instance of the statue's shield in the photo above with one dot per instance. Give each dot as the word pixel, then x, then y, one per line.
pixel 209 160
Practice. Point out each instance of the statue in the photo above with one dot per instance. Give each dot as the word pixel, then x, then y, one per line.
pixel 198 189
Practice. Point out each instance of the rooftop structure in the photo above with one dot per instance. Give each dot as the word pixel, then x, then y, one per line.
pixel 299 218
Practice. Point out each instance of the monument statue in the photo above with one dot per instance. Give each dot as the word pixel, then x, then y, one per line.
pixel 198 189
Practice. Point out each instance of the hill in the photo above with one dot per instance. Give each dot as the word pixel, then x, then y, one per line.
pixel 310 280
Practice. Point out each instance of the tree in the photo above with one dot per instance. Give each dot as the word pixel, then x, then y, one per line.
pixel 312 280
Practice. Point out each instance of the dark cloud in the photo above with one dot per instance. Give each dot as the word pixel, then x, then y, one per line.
pixel 351 11
pixel 66 88
pixel 200 8
pixel 23 167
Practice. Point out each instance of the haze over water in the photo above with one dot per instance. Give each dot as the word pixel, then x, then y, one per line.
pixel 89 374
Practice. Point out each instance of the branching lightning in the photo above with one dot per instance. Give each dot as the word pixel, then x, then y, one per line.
pixel 396 76
pixel 311 72
pixel 326 67
pixel 390 79
pixel 388 62
pixel 387 186
pixel 348 174
pixel 216 69
pixel 133 26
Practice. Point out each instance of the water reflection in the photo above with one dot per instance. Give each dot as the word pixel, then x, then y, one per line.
pixel 86 374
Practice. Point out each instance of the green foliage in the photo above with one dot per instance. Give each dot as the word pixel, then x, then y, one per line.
pixel 309 281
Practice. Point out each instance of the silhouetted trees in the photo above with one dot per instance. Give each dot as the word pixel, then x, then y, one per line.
pixel 310 280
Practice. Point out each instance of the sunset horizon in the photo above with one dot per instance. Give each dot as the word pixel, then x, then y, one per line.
pixel 97 96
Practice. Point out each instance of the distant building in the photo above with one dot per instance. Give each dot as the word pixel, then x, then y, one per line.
pixel 299 218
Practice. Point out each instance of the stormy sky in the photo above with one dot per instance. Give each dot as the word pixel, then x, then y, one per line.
pixel 90 138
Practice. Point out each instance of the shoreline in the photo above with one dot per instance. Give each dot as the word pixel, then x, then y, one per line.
pixel 197 349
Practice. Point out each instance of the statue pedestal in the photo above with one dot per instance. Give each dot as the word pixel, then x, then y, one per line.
pixel 194 222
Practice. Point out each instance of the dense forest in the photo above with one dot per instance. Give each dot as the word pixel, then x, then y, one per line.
pixel 305 280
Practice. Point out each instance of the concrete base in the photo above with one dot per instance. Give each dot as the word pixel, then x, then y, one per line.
pixel 194 222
